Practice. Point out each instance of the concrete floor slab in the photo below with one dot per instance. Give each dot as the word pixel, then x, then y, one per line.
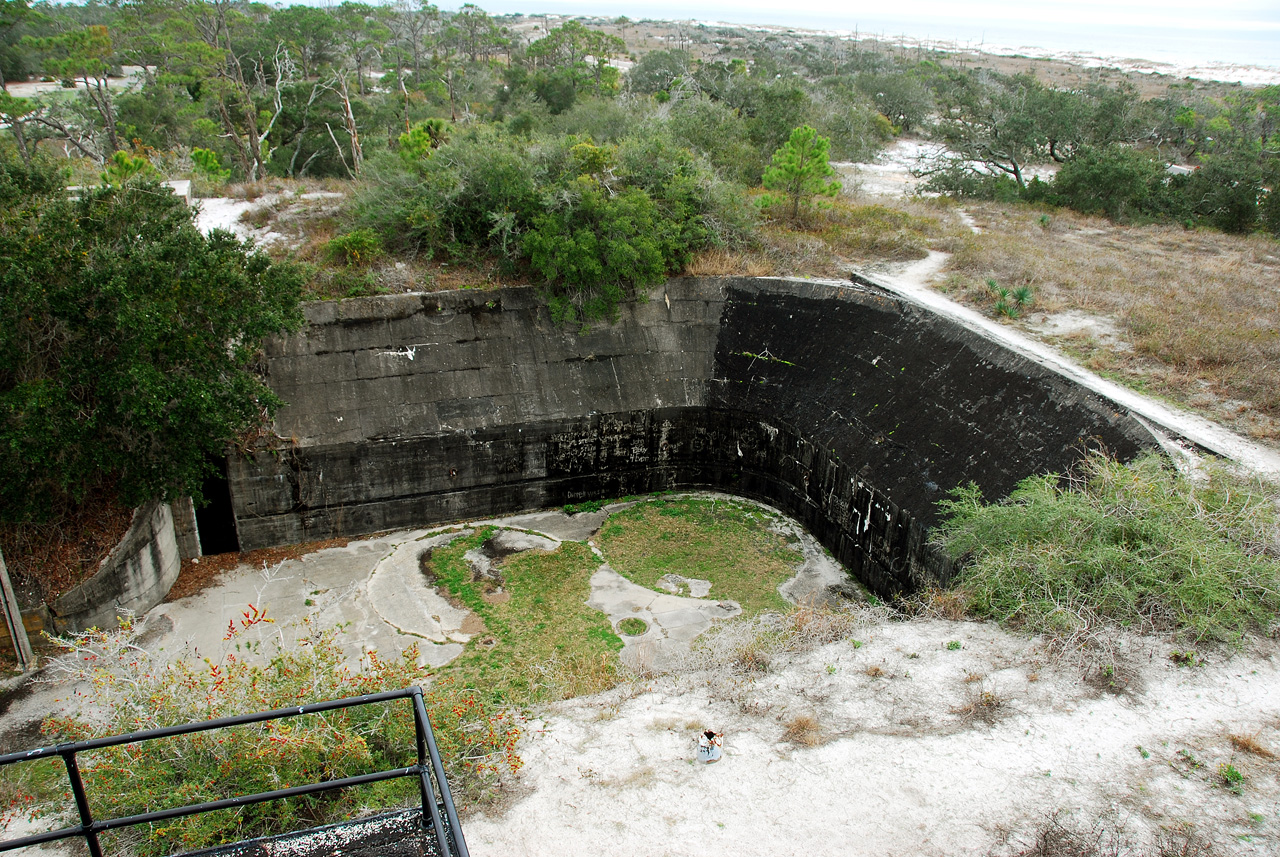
pixel 674 621
pixel 515 541
pixel 402 596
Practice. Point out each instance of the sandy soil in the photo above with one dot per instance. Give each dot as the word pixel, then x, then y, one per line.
pixel 890 173
pixel 230 214
pixel 924 749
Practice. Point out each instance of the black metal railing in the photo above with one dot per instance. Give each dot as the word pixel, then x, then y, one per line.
pixel 435 799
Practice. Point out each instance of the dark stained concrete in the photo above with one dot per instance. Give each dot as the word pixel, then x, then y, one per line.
pixel 850 409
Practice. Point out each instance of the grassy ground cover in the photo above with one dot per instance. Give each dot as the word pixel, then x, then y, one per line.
pixel 1195 310
pixel 540 641
pixel 711 539
pixel 837 234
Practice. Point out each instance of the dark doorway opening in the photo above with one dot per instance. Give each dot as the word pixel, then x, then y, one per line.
pixel 215 520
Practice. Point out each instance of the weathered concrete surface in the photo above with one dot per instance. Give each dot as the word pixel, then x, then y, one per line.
pixel 673 621
pixel 403 597
pixel 185 528
pixel 846 407
pixel 133 578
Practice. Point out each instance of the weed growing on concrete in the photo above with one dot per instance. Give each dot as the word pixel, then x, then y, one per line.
pixel 713 539
pixel 632 627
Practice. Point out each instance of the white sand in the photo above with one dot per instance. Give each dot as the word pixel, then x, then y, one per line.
pixel 908 770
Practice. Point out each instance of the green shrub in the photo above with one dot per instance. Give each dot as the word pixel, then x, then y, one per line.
pixel 355 248
pixel 209 166
pixel 591 221
pixel 1117 181
pixel 718 132
pixel 1224 193
pixel 595 247
pixel 1136 545
pixel 447 205
pixel 963 182
pixel 122 167
pixel 605 119
pixel 422 139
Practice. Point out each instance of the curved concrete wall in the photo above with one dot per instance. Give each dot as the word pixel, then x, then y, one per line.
pixel 849 408
pixel 134 577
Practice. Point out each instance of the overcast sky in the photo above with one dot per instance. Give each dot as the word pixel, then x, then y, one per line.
pixel 1221 30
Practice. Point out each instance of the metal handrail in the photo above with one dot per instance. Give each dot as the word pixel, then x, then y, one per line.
pixel 428 766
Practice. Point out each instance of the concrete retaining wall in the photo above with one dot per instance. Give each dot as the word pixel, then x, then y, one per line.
pixel 134 577
pixel 848 408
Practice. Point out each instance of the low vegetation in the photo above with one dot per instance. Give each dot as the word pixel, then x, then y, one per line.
pixel 729 659
pixel 1194 312
pixel 1062 834
pixel 122 687
pixel 730 544
pixel 1136 545
pixel 540 641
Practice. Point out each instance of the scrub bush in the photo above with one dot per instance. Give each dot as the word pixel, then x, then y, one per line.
pixel 124 687
pixel 1134 545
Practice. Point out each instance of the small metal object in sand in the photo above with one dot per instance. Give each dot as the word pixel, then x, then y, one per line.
pixel 709 744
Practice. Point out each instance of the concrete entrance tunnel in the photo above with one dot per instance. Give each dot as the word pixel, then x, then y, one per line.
pixel 849 408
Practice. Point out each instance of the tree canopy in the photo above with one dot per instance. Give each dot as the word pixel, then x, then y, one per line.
pixel 127 342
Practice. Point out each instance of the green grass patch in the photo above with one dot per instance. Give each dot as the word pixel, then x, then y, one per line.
pixel 632 627
pixel 721 541
pixel 1136 545
pixel 880 232
pixel 541 641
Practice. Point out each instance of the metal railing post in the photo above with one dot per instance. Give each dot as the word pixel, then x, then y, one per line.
pixel 438 767
pixel 82 802
pixel 422 725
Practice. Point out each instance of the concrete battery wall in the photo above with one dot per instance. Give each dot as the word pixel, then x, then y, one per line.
pixel 850 409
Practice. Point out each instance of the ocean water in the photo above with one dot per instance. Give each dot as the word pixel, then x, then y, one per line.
pixel 1225 42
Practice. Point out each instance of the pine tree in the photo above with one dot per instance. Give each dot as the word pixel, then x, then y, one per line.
pixel 800 168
